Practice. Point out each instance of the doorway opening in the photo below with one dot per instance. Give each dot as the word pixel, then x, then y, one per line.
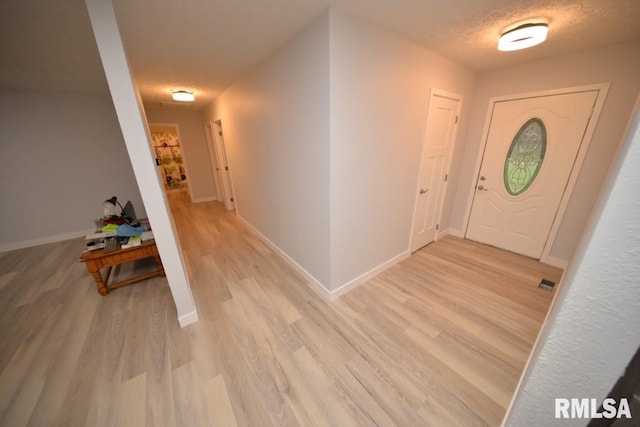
pixel 167 149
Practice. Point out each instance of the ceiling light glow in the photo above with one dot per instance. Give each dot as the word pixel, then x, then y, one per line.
pixel 183 95
pixel 522 37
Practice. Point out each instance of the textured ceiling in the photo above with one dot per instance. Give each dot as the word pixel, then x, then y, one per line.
pixel 205 45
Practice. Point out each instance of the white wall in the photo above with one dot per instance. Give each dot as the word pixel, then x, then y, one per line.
pixel 380 87
pixel 194 149
pixel 342 212
pixel 592 329
pixel 62 156
pixel 276 128
pixel 618 65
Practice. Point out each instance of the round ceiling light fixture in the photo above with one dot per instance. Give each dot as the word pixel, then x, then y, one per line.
pixel 183 95
pixel 523 36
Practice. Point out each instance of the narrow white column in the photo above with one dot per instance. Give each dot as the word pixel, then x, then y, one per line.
pixel 136 135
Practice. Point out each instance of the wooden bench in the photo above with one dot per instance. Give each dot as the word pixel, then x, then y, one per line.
pixel 99 259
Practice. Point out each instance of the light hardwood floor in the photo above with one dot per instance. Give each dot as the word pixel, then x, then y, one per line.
pixel 437 340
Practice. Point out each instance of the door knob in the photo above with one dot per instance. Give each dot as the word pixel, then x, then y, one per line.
pixel 481 188
pixel 482 178
pixel 422 190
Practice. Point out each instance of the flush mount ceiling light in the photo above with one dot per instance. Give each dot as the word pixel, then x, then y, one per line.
pixel 523 36
pixel 183 95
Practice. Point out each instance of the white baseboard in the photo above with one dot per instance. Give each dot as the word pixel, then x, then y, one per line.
pixel 336 293
pixel 204 199
pixel 44 240
pixel 314 284
pixel 317 287
pixel 187 319
pixel 556 262
pixel 455 232
pixel 440 234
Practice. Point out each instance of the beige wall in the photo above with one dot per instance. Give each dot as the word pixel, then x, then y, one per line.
pixel 195 149
pixel 62 156
pixel 618 65
pixel 276 130
pixel 324 141
pixel 380 87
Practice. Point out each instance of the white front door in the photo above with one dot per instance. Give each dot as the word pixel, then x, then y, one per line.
pixel 442 120
pixel 531 149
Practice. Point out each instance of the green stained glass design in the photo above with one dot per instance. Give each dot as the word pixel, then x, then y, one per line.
pixel 525 157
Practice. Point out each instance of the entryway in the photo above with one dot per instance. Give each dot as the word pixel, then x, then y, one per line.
pixel 532 156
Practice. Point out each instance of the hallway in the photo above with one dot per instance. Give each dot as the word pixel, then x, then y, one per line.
pixel 439 339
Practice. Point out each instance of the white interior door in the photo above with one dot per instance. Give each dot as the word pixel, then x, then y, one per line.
pixel 530 152
pixel 215 168
pixel 223 165
pixel 442 120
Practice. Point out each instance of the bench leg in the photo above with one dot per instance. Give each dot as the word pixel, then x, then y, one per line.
pixel 95 271
pixel 159 265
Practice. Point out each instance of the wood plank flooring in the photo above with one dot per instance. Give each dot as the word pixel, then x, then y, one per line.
pixel 437 340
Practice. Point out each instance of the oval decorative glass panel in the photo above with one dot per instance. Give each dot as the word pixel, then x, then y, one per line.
pixel 525 157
